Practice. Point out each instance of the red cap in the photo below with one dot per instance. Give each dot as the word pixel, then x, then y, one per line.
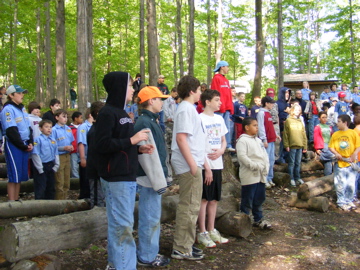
pixel 270 92
pixel 341 94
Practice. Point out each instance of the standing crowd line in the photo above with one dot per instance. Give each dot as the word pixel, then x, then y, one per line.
pixel 123 148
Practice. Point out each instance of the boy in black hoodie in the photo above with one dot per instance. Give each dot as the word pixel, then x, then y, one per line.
pixel 116 145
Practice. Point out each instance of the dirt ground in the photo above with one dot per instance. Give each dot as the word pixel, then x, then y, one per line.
pixel 300 239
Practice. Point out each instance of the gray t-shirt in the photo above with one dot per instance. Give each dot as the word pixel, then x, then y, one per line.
pixel 188 121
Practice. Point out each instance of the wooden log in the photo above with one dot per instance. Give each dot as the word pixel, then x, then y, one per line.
pixel 28 186
pixel 281 179
pixel 316 187
pixel 24 240
pixel 41 207
pixel 235 224
pixel 312 165
pixel 320 204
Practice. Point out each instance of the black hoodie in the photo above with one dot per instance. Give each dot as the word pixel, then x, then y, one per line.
pixel 117 160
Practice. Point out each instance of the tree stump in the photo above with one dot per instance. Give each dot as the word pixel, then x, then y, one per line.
pixel 320 204
pixel 235 224
pixel 316 187
pixel 281 179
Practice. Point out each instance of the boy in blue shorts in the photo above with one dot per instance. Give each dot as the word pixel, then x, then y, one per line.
pixel 64 137
pixel 45 157
pixel 215 130
pixel 82 132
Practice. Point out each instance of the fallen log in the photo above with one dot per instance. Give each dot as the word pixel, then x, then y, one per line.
pixel 312 165
pixel 320 204
pixel 24 240
pixel 41 207
pixel 316 187
pixel 28 186
pixel 281 179
pixel 235 224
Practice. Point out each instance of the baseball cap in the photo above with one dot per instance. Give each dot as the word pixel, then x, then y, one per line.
pixel 270 92
pixel 161 77
pixel 221 64
pixel 341 94
pixel 15 88
pixel 267 99
pixel 335 99
pixel 150 92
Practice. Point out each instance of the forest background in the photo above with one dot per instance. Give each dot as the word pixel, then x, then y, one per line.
pixel 49 46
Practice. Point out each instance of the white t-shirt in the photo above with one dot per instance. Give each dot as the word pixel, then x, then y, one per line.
pixel 188 121
pixel 215 128
pixel 34 123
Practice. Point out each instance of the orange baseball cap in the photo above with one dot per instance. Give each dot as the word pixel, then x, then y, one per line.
pixel 150 92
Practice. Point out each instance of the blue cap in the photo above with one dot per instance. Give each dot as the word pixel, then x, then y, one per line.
pixel 221 64
pixel 15 89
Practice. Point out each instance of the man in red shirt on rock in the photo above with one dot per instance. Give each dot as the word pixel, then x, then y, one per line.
pixel 220 83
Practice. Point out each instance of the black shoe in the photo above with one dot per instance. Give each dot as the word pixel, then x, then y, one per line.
pixel 160 261
pixel 197 250
pixel 176 254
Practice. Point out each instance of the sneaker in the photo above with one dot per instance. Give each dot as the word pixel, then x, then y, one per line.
pixel 160 261
pixel 267 185
pixel 204 239
pixel 230 149
pixel 197 250
pixel 186 256
pixel 262 224
pixel 108 267
pixel 272 183
pixel 292 183
pixel 217 238
pixel 344 207
pixel 299 182
pixel 352 206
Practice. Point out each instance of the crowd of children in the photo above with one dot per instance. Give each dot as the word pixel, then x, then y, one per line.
pixel 120 150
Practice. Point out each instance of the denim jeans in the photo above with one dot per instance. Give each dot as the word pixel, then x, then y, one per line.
pixel 252 198
pixel 270 150
pixel 326 158
pixel 120 204
pixel 74 161
pixel 161 120
pixel 344 180
pixel 294 163
pixel 312 124
pixel 226 116
pixel 149 224
pixel 232 133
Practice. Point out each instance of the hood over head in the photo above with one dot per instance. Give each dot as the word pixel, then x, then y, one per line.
pixel 281 94
pixel 116 85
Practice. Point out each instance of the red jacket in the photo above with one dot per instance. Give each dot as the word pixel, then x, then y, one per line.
pixel 220 83
pixel 318 138
pixel 74 143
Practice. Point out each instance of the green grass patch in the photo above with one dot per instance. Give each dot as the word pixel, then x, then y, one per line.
pixel 331 227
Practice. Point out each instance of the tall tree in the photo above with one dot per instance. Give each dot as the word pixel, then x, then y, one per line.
pixel 153 51
pixel 260 49
pixel 61 73
pixel 84 55
pixel 208 27
pixel 50 93
pixel 191 51
pixel 179 35
pixel 142 39
pixel 219 49
pixel 353 80
pixel 39 63
pixel 280 42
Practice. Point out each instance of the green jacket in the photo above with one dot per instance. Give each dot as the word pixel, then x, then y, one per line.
pixel 294 134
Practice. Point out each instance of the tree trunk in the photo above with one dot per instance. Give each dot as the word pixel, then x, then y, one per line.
pixel 14 56
pixel 191 37
pixel 280 47
pixel 209 73
pixel 260 49
pixel 50 93
pixel 179 35
pixel 61 75
pixel 24 240
pixel 39 62
pixel 320 204
pixel 41 207
pixel 153 50
pixel 220 32
pixel 84 58
pixel 142 39
pixel 316 187
pixel 353 79
pixel 235 224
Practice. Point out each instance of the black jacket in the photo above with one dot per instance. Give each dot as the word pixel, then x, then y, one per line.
pixel 117 160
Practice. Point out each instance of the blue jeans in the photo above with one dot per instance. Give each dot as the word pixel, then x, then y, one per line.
pixel 232 133
pixel 252 198
pixel 73 102
pixel 294 163
pixel 312 124
pixel 226 116
pixel 120 204
pixel 344 180
pixel 326 158
pixel 149 224
pixel 162 121
pixel 74 162
pixel 270 150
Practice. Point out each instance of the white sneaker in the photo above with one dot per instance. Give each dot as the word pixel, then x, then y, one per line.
pixel 217 238
pixel 352 206
pixel 345 207
pixel 292 183
pixel 299 181
pixel 267 185
pixel 230 149
pixel 204 239
pixel 272 183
